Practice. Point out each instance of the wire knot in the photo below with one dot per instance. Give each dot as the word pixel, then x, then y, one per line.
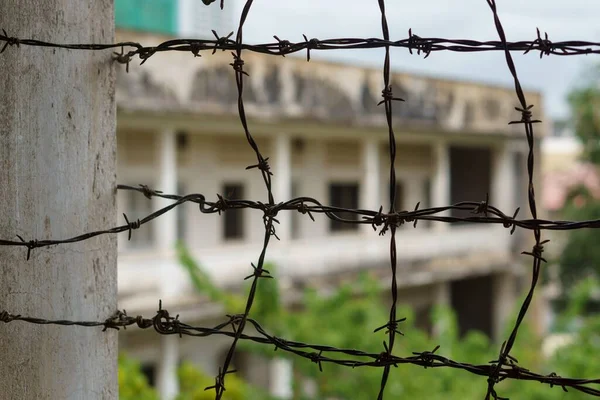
pixel 511 222
pixel 196 47
pixel 428 357
pixel 526 116
pixel 284 45
pixel 123 58
pixel 303 209
pixel 32 244
pixel 145 54
pixel 545 45
pixel 219 385
pixel 131 225
pixel 482 207
pixel 317 358
pixel 419 44
pixel 235 320
pixel 377 219
pixel 10 41
pixel 221 42
pixel 385 357
pixel 557 377
pixel 392 326
pixel 238 64
pixel 147 192
pixel 313 43
pixel 263 165
pixel 222 204
pixel 163 323
pixel 5 316
pixel 259 273
pixel 388 96
pixel 537 251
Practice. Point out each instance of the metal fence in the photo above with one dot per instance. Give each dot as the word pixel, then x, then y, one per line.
pixel 386 222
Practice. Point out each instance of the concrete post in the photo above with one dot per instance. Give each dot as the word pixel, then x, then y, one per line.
pixel 370 187
pixel 166 236
pixel 441 181
pixel 57 180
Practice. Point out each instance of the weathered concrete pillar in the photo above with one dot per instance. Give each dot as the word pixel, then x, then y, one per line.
pixel 57 180
pixel 441 181
pixel 166 235
pixel 282 184
pixel 370 185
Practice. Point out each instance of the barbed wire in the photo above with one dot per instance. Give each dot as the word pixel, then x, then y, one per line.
pixel 282 47
pixel 163 323
pixel 504 367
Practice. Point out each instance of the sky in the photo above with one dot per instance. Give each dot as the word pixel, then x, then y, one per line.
pixel 554 76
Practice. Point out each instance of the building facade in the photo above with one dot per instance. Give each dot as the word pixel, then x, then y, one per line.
pixel 178 131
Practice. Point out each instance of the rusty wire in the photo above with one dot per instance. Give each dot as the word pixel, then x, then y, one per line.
pixel 504 367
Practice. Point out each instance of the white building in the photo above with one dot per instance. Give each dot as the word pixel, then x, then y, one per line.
pixel 178 131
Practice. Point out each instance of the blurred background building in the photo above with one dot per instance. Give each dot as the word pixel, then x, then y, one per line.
pixel 178 131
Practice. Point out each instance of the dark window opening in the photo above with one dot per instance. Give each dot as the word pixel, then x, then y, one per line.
pixel 233 219
pixel 473 315
pixel 399 203
pixel 423 319
pixel 426 201
pixel 182 141
pixel 149 371
pixel 470 176
pixel 343 195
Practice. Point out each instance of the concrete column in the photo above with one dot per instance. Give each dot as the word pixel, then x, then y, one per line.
pixel 166 225
pixel 282 184
pixel 370 185
pixel 167 383
pixel 441 181
pixel 281 373
pixel 314 184
pixel 504 293
pixel 504 180
pixel 442 298
pixel 166 237
pixel 58 158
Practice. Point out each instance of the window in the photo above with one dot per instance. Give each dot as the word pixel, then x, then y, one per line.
pixel 149 371
pixel 233 219
pixel 426 202
pixel 343 195
pixel 470 177
pixel 399 199
pixel 138 207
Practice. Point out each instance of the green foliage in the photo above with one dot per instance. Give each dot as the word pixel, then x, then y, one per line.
pixel 580 258
pixel 581 255
pixel 133 384
pixel 585 110
pixel 193 382
pixel 347 317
